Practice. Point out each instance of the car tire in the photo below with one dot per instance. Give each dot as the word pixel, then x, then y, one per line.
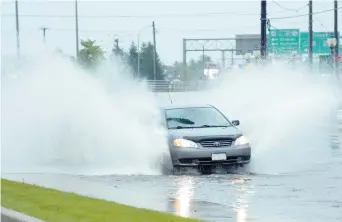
pixel 166 164
pixel 205 170
pixel 177 170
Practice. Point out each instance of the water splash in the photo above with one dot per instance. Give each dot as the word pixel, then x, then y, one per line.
pixel 287 114
pixel 58 118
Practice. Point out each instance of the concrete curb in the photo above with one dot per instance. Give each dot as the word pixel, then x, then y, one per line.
pixel 8 215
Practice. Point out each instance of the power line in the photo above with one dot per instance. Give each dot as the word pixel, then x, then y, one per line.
pixel 138 16
pixel 288 9
pixel 127 32
pixel 145 16
pixel 168 15
pixel 302 15
pixel 320 23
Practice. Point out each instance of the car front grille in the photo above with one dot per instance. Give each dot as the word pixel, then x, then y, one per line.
pixel 216 143
pixel 204 161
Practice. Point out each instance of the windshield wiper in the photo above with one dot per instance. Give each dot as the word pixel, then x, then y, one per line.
pixel 181 120
pixel 194 127
pixel 206 125
pixel 183 127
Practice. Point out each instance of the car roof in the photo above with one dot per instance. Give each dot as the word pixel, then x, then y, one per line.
pixel 178 106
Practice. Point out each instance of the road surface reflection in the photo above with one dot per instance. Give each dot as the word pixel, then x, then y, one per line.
pixel 183 197
pixel 241 205
pixel 185 203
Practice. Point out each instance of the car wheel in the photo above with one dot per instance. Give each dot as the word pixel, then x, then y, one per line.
pixel 166 165
pixel 205 170
pixel 177 170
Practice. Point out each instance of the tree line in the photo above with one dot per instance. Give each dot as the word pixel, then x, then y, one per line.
pixel 91 55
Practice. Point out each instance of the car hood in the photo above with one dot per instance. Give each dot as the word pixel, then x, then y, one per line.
pixel 205 133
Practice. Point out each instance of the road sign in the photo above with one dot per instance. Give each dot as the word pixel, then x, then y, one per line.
pixel 283 41
pixel 319 42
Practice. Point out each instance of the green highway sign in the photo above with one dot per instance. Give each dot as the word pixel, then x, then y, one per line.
pixel 283 41
pixel 319 42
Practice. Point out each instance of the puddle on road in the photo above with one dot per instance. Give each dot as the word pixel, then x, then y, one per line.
pixel 232 198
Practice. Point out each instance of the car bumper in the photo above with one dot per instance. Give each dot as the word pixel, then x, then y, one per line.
pixel 192 157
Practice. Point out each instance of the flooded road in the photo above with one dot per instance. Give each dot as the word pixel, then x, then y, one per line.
pixel 312 195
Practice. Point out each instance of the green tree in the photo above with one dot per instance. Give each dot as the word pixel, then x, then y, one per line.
pixel 117 51
pixel 146 63
pixel 133 59
pixel 90 54
pixel 195 68
pixel 178 67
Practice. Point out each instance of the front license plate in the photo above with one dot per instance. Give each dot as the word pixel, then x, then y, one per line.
pixel 218 156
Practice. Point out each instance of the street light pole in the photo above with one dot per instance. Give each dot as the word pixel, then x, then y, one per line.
pixel 44 34
pixel 203 58
pixel 17 27
pixel 310 34
pixel 332 43
pixel 76 29
pixel 154 52
pixel 138 51
pixel 337 37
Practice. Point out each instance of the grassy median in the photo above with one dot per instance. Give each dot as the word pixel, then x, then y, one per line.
pixel 53 205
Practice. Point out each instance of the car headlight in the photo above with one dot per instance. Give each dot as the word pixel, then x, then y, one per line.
pixel 242 140
pixel 184 143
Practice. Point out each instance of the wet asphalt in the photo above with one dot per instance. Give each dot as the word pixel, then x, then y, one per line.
pixel 313 194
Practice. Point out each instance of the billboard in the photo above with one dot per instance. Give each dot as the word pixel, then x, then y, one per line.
pixel 247 43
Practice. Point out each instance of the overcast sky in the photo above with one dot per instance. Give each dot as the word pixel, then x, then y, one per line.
pixel 175 20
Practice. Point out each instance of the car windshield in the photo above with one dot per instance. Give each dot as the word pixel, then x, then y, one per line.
pixel 195 117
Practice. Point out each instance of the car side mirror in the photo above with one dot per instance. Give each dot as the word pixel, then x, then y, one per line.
pixel 236 122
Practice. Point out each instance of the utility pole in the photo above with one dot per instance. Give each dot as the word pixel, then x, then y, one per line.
pixel 337 37
pixel 44 34
pixel 17 27
pixel 263 33
pixel 203 59
pixel 138 56
pixel 116 42
pixel 76 20
pixel 232 62
pixel 185 74
pixel 154 52
pixel 310 34
pixel 138 48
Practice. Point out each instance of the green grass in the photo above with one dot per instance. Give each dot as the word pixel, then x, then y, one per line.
pixel 53 205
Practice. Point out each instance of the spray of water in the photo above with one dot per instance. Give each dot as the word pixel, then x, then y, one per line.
pixel 286 113
pixel 59 118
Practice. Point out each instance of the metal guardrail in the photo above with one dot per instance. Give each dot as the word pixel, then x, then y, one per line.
pixel 186 86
